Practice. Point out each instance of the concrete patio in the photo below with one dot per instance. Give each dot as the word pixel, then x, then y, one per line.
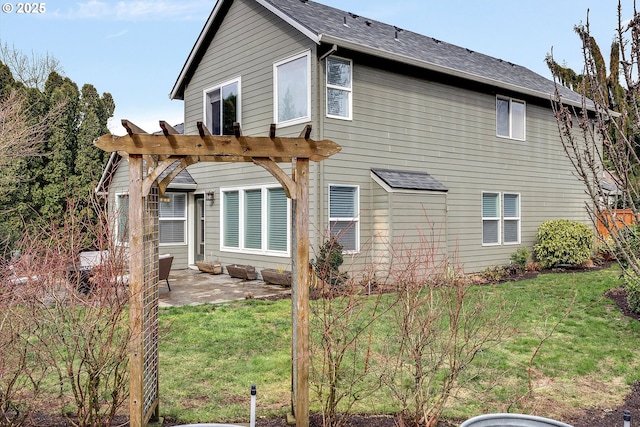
pixel 192 287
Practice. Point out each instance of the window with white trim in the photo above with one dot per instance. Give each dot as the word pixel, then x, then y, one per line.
pixel 500 218
pixel 344 222
pixel 510 118
pixel 222 107
pixel 292 86
pixel 490 218
pixel 122 218
pixel 255 219
pixel 339 78
pixel 511 220
pixel 172 217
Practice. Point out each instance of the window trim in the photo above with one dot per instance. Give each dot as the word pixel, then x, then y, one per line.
pixel 491 218
pixel 117 219
pixel 264 221
pixel 501 218
pixel 510 118
pixel 349 90
pixel 206 102
pixel 506 218
pixel 298 120
pixel 355 219
pixel 183 219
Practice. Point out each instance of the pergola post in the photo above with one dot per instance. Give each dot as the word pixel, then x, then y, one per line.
pixel 136 276
pixel 300 292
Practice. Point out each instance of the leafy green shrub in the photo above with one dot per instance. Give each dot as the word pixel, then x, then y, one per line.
pixel 520 257
pixel 632 287
pixel 626 244
pixel 562 241
pixel 328 262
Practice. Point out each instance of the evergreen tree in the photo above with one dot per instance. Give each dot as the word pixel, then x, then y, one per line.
pixel 67 164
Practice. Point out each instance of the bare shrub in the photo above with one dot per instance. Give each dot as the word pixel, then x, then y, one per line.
pixel 22 368
pixel 342 324
pixel 440 324
pixel 83 333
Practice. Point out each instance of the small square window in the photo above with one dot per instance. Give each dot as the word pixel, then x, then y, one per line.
pixel 510 118
pixel 222 107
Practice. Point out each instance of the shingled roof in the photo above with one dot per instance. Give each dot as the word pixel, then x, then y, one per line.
pixel 324 24
pixel 407 180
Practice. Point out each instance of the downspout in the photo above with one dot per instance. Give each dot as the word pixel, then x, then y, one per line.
pixel 320 218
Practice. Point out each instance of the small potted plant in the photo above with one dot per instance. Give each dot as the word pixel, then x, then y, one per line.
pixel 277 276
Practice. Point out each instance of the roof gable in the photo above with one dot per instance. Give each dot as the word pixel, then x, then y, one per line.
pixel 324 24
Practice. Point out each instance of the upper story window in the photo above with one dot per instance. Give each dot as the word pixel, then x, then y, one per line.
pixel 292 86
pixel 339 77
pixel 222 107
pixel 510 118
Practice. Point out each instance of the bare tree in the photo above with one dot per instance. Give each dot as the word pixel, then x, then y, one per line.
pixel 602 139
pixel 21 136
pixel 31 71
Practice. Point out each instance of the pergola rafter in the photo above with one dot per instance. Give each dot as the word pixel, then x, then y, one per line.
pixel 160 152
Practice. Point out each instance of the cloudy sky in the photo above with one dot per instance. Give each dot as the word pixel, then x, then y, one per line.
pixel 136 49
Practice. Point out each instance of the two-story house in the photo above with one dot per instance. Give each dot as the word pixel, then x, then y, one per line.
pixel 436 139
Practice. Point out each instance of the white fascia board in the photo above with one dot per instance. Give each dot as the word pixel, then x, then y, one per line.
pixel 195 49
pixel 304 30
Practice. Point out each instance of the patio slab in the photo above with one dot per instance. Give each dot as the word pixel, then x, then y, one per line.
pixel 192 287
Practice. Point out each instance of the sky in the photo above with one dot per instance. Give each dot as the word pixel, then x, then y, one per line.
pixel 136 49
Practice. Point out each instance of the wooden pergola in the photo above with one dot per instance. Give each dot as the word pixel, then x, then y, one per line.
pixel 152 154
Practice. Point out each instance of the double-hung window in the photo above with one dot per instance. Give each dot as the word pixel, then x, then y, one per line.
pixel 292 86
pixel 344 223
pixel 222 107
pixel 172 217
pixel 511 218
pixel 122 218
pixel 255 220
pixel 510 118
pixel 500 218
pixel 339 78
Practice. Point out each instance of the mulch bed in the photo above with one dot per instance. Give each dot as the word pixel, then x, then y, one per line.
pixel 588 417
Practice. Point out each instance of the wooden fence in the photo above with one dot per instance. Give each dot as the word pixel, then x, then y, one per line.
pixel 618 218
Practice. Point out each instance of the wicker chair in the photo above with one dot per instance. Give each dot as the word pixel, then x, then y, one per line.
pixel 164 267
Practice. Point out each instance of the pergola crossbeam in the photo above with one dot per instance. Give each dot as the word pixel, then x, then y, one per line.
pixel 202 129
pixel 132 129
pixel 227 145
pixel 167 129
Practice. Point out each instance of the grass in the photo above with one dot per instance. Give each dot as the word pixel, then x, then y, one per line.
pixel 210 355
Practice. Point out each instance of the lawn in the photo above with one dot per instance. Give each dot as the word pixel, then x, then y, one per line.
pixel 587 354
